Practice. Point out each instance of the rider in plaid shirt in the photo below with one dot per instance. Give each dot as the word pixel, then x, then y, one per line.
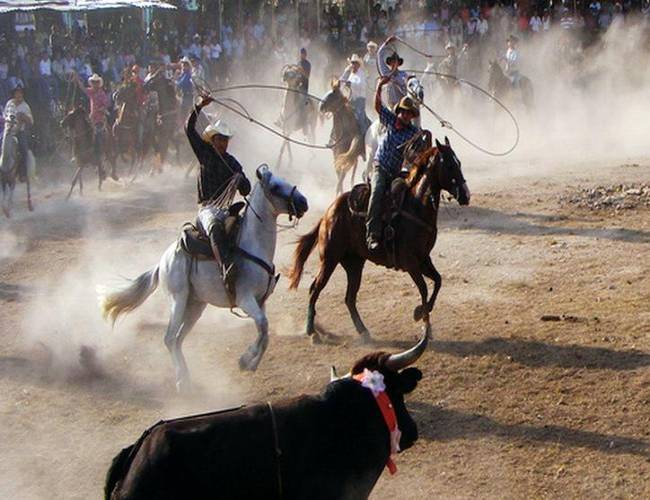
pixel 389 156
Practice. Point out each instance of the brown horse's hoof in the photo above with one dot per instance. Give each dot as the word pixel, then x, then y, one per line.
pixel 418 313
pixel 315 339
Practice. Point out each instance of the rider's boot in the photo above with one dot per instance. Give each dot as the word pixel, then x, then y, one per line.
pixel 223 256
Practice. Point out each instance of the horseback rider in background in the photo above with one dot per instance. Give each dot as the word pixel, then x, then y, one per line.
pixel 99 104
pixel 354 77
pixel 17 107
pixel 220 174
pixel 389 156
pixel 512 60
pixel 389 64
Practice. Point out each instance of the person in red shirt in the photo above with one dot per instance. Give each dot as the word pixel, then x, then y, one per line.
pixel 99 103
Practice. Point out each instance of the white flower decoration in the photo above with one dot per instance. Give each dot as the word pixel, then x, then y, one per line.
pixel 374 381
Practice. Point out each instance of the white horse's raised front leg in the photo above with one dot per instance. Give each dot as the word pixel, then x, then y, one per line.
pixel 253 355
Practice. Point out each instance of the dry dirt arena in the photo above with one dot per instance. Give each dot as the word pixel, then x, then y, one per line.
pixel 537 384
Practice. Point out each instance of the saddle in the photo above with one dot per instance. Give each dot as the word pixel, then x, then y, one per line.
pixel 391 202
pixel 196 243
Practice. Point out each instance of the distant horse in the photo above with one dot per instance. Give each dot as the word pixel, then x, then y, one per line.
pixel 501 87
pixel 192 284
pixel 168 126
pixel 298 111
pixel 82 136
pixel 9 160
pixel 415 91
pixel 126 129
pixel 341 236
pixel 346 135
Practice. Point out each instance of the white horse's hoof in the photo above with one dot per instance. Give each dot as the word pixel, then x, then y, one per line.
pixel 184 387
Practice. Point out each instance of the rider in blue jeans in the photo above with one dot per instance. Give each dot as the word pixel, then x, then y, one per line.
pixel 389 156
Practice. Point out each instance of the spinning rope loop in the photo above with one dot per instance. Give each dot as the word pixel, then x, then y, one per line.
pixel 445 123
pixel 239 109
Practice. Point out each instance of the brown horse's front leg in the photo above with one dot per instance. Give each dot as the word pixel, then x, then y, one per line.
pixel 430 271
pixel 421 311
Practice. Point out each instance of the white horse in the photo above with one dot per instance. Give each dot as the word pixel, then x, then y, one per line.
pixel 9 166
pixel 192 284
pixel 373 135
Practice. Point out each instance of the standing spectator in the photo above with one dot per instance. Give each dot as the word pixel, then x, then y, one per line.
pixel 535 24
pixel 184 85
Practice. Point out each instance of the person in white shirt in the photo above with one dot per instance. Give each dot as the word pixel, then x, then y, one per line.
pixel 19 109
pixel 483 26
pixel 354 77
pixel 512 60
pixel 45 65
pixel 535 23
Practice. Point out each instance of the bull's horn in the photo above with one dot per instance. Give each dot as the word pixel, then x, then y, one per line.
pixel 333 375
pixel 401 360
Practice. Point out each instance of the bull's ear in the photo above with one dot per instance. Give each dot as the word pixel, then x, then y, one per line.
pixel 409 379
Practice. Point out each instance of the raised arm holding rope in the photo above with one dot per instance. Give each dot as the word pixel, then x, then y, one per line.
pixel 220 176
pixel 388 63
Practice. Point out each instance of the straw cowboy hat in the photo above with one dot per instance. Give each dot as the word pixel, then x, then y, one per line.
pixel 96 78
pixel 407 104
pixel 219 127
pixel 354 58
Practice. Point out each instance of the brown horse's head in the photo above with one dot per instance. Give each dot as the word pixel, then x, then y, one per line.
pixel 76 118
pixel 334 100
pixel 449 172
pixel 495 76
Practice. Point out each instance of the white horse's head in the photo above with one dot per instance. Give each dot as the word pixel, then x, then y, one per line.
pixel 284 197
pixel 414 89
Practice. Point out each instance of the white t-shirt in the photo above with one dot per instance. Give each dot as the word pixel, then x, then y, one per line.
pixel 13 109
pixel 45 67
pixel 357 83
pixel 535 24
pixel 215 51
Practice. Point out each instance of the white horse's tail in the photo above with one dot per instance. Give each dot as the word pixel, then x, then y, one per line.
pixel 125 299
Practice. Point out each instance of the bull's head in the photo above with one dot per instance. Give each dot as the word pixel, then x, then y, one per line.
pixel 400 378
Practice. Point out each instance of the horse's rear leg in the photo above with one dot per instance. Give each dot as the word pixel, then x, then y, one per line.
pixel 353 266
pixel 29 194
pixel 326 269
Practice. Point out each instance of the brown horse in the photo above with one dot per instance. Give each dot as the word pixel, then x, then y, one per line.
pixel 168 126
pixel 126 128
pixel 341 236
pixel 501 87
pixel 346 136
pixel 82 135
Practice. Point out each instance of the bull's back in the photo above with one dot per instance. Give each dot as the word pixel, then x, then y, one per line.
pixel 223 455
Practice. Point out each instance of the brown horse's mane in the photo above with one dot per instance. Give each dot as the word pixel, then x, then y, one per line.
pixel 419 166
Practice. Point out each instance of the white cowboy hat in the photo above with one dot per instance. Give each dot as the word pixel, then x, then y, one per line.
pixel 186 59
pixel 217 128
pixel 450 46
pixel 96 78
pixel 371 44
pixel 354 58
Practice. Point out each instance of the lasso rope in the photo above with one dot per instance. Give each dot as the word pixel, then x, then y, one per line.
pixel 204 89
pixel 445 123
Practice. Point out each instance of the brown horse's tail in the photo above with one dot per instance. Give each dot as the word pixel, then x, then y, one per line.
pixel 345 161
pixel 306 244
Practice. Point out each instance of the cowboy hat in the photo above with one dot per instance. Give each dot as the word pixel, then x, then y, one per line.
pixel 96 78
pixel 186 59
pixel 354 58
pixel 371 44
pixel 450 46
pixel 395 57
pixel 406 104
pixel 217 128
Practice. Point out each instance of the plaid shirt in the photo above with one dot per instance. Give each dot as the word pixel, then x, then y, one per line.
pixel 389 155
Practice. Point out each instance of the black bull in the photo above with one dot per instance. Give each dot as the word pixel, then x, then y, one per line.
pixel 331 446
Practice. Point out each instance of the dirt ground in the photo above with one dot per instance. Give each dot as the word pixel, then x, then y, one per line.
pixel 510 406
